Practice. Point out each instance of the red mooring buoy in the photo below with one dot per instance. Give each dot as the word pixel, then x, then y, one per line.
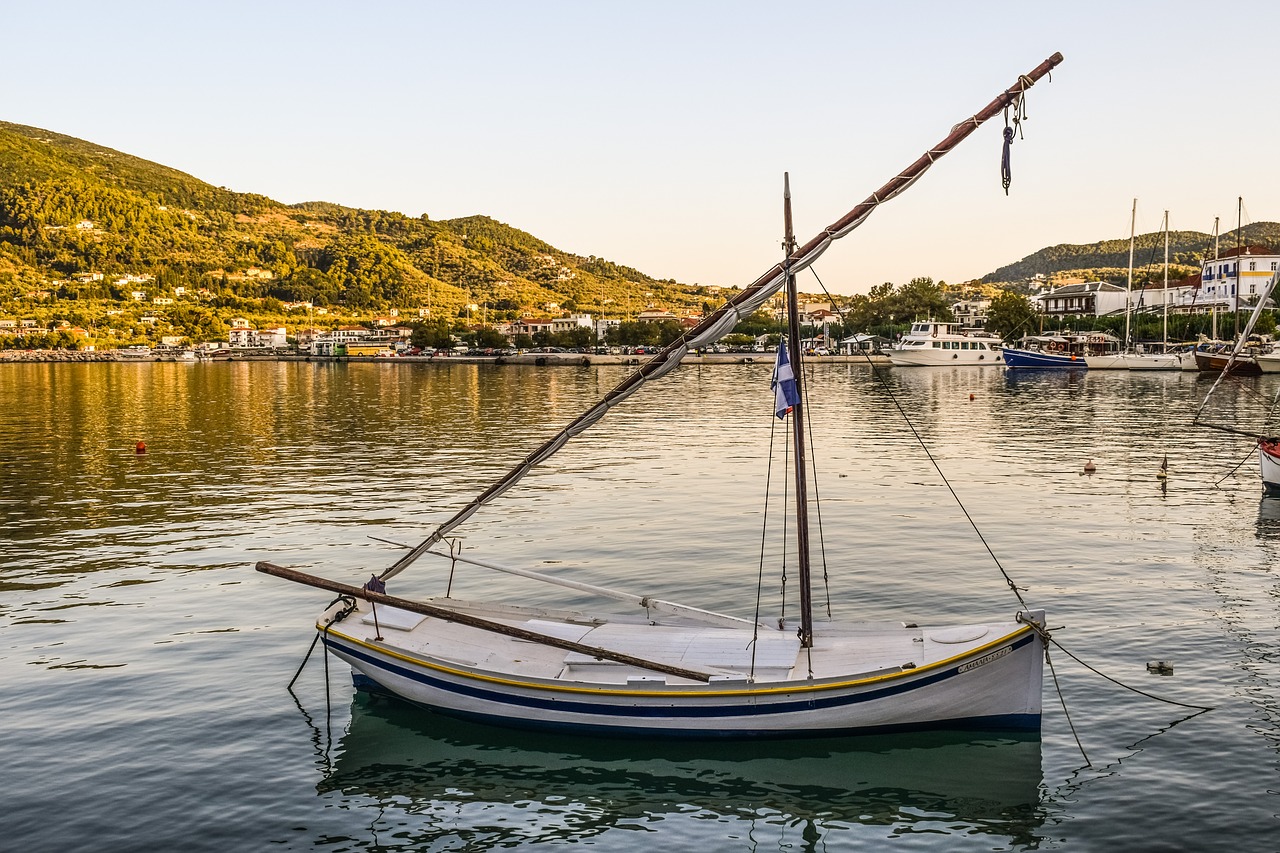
pixel 140 447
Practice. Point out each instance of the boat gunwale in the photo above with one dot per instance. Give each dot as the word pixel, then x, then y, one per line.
pixel 814 686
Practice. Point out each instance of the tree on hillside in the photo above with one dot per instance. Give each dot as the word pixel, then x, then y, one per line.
pixel 432 334
pixel 921 299
pixel 1011 315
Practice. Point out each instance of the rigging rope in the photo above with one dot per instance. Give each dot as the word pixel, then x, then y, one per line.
pixel 1017 591
pixel 1045 636
pixel 817 501
pixel 764 529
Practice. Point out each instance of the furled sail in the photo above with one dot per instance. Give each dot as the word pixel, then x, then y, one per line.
pixel 721 321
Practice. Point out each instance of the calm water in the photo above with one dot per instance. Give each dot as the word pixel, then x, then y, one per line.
pixel 143 662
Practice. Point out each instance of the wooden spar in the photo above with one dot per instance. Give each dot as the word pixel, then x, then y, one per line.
pixel 754 294
pixel 477 622
pixel 797 425
pixel 1234 431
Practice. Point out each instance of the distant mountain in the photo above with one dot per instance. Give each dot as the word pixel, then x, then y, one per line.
pixel 70 208
pixel 1186 248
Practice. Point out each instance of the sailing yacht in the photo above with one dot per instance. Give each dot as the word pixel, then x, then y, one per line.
pixel 675 670
pixel 1133 358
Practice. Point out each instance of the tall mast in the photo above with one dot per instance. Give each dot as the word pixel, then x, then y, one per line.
pixel 797 423
pixel 1165 292
pixel 1214 306
pixel 1128 288
pixel 1235 301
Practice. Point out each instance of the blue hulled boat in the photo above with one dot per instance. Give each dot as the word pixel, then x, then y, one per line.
pixel 1041 358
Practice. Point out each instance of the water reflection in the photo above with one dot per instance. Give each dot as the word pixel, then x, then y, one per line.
pixel 1269 518
pixel 432 776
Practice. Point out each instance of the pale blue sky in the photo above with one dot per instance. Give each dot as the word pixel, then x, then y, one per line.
pixel 655 134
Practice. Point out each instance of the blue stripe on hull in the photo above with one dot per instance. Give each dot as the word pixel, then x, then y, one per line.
pixel 653 711
pixel 999 722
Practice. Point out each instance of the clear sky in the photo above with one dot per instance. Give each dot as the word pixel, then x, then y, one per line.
pixel 655 133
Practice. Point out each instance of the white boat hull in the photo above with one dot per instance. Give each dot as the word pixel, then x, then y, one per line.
pixel 1269 465
pixel 1134 361
pixel 943 357
pixel 977 676
pixel 1269 362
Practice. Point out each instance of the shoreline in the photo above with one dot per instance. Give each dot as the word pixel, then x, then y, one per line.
pixel 540 359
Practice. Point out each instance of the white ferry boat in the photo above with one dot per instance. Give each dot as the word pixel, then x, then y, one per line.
pixel 136 352
pixel 932 343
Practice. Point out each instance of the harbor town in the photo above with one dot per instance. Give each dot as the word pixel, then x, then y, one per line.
pixel 1231 280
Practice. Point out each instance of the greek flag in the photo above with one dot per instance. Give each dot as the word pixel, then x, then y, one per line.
pixel 783 384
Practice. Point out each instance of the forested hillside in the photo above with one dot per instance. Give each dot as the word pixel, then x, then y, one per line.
pixel 1186 248
pixel 70 209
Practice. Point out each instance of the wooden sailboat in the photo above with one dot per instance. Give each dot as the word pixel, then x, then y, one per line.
pixel 673 670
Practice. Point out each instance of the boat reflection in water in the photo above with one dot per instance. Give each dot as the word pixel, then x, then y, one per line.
pixel 434 776
pixel 1269 517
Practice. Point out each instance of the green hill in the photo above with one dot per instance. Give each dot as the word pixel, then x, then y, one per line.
pixel 1186 249
pixel 70 209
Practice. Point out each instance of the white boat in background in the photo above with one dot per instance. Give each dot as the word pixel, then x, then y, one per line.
pixel 135 353
pixel 670 670
pixel 1136 360
pixel 1130 357
pixel 931 343
pixel 1268 362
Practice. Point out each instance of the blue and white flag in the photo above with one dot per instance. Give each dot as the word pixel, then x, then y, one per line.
pixel 785 392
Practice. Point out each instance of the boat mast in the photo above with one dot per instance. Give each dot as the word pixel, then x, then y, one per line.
pixel 1165 292
pixel 1235 301
pixel 797 423
pixel 1214 306
pixel 1128 289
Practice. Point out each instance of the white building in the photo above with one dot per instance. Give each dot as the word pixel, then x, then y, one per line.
pixel 1231 280
pixel 242 336
pixel 603 326
pixel 573 321
pixel 971 314
pixel 1095 298
pixel 246 337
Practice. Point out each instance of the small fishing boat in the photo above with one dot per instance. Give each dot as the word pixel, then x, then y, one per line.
pixel 1040 352
pixel 671 670
pixel 932 343
pixel 1074 351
